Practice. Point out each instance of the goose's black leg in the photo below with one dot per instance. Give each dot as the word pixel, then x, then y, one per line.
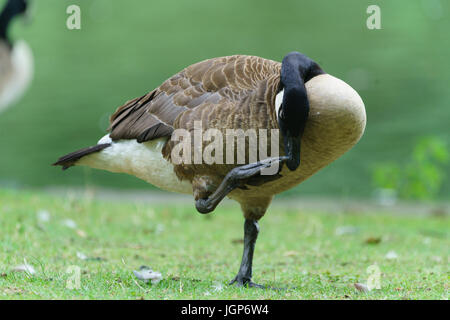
pixel 244 276
pixel 234 179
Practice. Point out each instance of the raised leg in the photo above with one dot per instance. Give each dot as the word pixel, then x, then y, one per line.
pixel 244 276
pixel 235 178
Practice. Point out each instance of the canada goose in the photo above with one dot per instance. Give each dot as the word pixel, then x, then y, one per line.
pixel 16 59
pixel 237 92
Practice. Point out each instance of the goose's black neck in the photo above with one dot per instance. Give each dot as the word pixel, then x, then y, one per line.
pixel 296 70
pixel 10 10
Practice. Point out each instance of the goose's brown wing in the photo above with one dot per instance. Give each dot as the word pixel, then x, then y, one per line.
pixel 220 81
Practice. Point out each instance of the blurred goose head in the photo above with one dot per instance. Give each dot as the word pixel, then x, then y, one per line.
pixel 16 59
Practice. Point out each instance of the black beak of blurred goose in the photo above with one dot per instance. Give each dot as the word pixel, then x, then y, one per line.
pixel 310 108
pixel 16 59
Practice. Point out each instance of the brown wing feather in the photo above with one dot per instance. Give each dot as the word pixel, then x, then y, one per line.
pixel 132 121
pixel 245 87
pixel 209 84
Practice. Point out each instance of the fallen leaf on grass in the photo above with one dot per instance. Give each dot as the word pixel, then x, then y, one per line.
pixel 12 290
pixel 290 253
pixel 361 287
pixel 373 240
pixel 145 273
pixel 237 241
pixel 81 233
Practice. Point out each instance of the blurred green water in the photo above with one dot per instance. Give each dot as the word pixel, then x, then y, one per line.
pixel 126 48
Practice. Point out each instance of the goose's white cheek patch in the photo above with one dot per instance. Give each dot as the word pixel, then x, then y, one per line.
pixel 278 101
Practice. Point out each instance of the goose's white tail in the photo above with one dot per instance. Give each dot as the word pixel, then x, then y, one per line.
pixel 143 160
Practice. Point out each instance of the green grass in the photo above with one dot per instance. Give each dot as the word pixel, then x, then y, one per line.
pixel 196 253
pixel 126 48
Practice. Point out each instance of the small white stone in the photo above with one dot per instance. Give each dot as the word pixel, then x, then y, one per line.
pixel 69 223
pixel 391 255
pixel 340 231
pixel 159 228
pixel 81 256
pixel 146 274
pixel 217 287
pixel 43 215
pixel 25 268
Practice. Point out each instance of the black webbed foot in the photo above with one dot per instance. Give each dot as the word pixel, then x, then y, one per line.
pixel 245 283
pixel 241 282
